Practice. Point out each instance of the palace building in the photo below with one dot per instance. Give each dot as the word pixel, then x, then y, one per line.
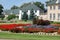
pixel 52 14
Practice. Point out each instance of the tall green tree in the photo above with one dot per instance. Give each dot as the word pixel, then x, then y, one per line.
pixel 40 5
pixel 25 16
pixel 1 10
pixel 32 15
pixel 14 7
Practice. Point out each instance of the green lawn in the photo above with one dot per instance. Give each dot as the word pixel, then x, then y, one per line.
pixel 28 36
pixel 19 22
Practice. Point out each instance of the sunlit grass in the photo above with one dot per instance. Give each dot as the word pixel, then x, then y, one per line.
pixel 19 22
pixel 28 36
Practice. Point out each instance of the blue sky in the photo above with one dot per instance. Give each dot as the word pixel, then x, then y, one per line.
pixel 7 4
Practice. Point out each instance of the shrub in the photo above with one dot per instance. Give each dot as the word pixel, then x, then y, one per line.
pixel 58 25
pixel 34 30
pixel 34 21
pixel 32 15
pixel 15 30
pixel 25 16
pixel 49 30
pixel 59 31
pixel 41 22
pixel 6 27
pixel 55 22
pixel 11 16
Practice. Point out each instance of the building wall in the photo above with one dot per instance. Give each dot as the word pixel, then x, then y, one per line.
pixel 21 13
pixel 37 13
pixel 44 17
pixel 6 16
pixel 52 11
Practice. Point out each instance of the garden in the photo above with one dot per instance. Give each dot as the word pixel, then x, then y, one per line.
pixel 15 36
pixel 39 25
pixel 39 30
pixel 26 31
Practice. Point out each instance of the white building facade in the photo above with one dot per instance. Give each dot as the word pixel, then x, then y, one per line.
pixel 53 10
pixel 37 13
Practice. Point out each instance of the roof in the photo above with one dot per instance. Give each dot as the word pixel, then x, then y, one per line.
pixel 52 2
pixel 24 9
pixel 8 12
pixel 30 7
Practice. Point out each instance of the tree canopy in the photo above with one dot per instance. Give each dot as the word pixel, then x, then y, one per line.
pixel 25 16
pixel 1 9
pixel 14 7
pixel 39 4
pixel 32 15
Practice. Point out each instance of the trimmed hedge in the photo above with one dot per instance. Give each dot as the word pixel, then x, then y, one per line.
pixel 41 22
pixel 55 22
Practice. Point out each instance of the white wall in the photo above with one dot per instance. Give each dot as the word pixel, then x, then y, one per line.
pixel 44 17
pixel 37 13
pixel 20 13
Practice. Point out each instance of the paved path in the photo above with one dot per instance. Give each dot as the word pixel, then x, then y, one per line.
pixel 6 39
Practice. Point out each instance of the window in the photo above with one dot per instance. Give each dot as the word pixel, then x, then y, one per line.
pixel 53 7
pixel 50 16
pixel 59 16
pixel 58 7
pixel 50 7
pixel 53 16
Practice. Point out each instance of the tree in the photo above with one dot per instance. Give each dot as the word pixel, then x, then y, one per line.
pixel 1 10
pixel 25 16
pixel 2 16
pixel 32 15
pixel 11 16
pixel 40 5
pixel 14 7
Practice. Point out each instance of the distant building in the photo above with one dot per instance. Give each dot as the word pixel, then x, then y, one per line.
pixel 19 12
pixel 53 12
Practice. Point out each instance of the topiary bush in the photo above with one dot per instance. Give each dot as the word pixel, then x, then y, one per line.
pixel 34 21
pixel 41 22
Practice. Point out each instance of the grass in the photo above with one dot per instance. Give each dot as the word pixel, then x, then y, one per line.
pixel 19 22
pixel 55 22
pixel 27 36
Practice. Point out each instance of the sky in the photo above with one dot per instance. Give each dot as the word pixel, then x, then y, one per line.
pixel 7 4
